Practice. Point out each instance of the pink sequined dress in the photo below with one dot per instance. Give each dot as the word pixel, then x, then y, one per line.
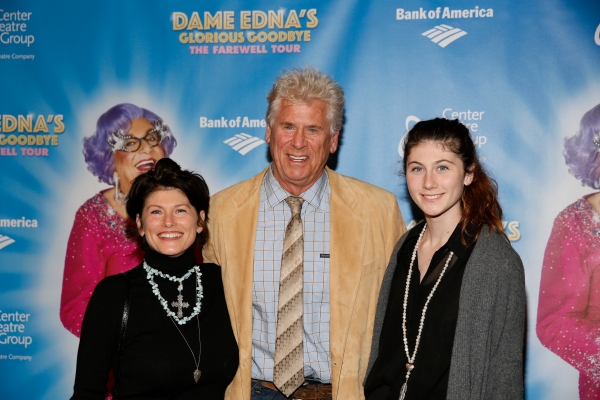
pixel 99 246
pixel 568 321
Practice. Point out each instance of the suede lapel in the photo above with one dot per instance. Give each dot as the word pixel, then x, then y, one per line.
pixel 347 247
pixel 240 224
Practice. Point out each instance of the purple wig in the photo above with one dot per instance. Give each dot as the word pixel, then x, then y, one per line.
pixel 581 154
pixel 96 150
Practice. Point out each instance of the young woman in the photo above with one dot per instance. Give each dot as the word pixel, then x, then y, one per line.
pixel 451 313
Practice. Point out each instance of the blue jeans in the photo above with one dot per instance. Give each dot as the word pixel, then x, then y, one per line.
pixel 259 392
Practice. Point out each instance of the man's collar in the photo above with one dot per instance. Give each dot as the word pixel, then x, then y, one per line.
pixel 275 194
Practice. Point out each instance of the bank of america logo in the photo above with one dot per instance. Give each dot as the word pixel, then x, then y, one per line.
pixel 5 241
pixel 244 143
pixel 444 34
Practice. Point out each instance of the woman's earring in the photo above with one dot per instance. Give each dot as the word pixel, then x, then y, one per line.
pixel 119 196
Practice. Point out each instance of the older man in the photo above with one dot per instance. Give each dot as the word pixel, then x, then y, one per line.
pixel 303 250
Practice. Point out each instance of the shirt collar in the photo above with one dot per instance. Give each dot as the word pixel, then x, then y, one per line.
pixel 275 194
pixel 454 243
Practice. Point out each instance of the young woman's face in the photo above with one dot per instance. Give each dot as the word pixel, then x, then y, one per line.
pixel 436 179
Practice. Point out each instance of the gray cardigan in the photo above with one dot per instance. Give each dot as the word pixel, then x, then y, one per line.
pixel 487 355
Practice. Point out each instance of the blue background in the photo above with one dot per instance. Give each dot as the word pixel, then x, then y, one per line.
pixel 532 68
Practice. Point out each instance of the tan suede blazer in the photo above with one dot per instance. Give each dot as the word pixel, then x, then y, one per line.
pixel 365 225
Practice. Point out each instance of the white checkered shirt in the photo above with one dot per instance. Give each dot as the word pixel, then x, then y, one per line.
pixel 273 217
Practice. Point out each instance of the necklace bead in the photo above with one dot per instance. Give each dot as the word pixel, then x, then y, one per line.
pixel 151 272
pixel 411 360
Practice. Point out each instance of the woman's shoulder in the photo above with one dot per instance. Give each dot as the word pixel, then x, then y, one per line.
pixel 109 294
pixel 106 304
pixel 579 221
pixel 95 201
pixel 491 240
pixel 495 250
pixel 119 282
pixel 211 270
pixel 96 211
pixel 94 207
pixel 116 285
pixel 112 284
pixel 212 283
pixel 579 208
pixel 413 230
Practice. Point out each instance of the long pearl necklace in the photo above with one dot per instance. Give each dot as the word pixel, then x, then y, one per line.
pixel 180 304
pixel 411 360
pixel 197 372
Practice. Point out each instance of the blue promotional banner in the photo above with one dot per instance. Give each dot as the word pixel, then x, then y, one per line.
pixel 523 76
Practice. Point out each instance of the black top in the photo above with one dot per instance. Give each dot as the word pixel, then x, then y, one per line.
pixel 157 363
pixel 429 378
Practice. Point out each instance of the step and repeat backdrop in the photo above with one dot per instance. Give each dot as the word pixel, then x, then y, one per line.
pixel 523 76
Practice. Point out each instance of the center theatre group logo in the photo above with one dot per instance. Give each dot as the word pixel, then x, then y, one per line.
pixel 13 28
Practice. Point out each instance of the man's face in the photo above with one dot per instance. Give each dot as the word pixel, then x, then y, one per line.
pixel 300 141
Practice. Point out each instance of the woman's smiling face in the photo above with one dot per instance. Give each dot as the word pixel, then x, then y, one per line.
pixel 436 178
pixel 169 222
pixel 128 165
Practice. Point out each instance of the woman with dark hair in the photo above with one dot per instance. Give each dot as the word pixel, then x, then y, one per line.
pixel 128 141
pixel 569 304
pixel 451 312
pixel 163 327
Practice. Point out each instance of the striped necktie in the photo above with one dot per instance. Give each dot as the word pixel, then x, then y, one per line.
pixel 288 373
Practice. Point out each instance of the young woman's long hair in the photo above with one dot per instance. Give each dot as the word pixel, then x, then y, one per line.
pixel 479 200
